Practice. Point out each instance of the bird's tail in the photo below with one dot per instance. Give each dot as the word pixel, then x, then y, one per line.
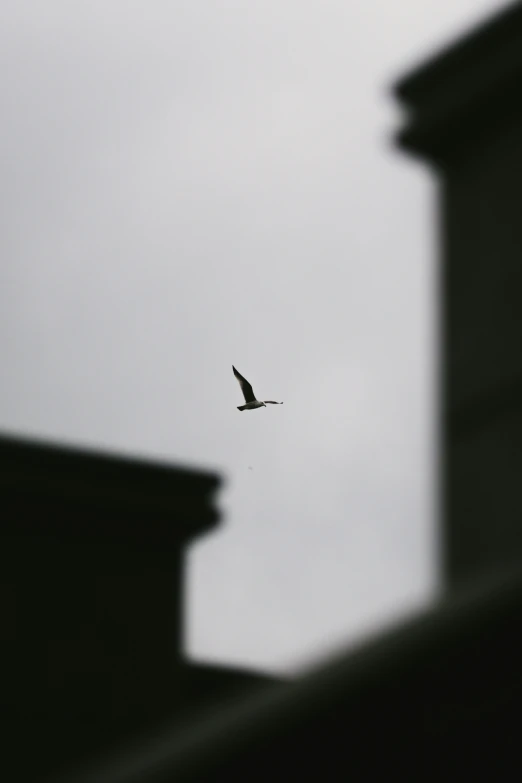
pixel 241 407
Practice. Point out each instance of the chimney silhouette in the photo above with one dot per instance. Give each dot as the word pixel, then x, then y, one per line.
pixel 91 586
pixel 465 118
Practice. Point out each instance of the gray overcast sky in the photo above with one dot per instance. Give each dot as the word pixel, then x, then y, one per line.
pixel 186 185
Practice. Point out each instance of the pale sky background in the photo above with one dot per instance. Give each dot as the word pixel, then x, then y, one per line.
pixel 194 184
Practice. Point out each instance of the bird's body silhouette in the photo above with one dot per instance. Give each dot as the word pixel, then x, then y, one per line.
pixel 250 397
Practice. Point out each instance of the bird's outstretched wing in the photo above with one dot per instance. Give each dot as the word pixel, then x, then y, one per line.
pixel 248 392
pixel 272 402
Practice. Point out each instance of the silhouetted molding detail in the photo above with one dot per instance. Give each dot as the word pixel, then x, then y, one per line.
pixel 469 91
pixel 134 488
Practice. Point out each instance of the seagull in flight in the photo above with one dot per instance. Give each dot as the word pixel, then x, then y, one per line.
pixel 250 397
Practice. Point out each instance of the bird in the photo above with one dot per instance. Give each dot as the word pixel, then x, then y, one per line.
pixel 250 397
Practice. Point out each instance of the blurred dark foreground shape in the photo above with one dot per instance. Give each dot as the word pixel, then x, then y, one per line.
pixel 95 686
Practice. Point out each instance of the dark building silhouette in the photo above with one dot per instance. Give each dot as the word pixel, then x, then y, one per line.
pixel 439 697
pixel 465 113
pixel 91 584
